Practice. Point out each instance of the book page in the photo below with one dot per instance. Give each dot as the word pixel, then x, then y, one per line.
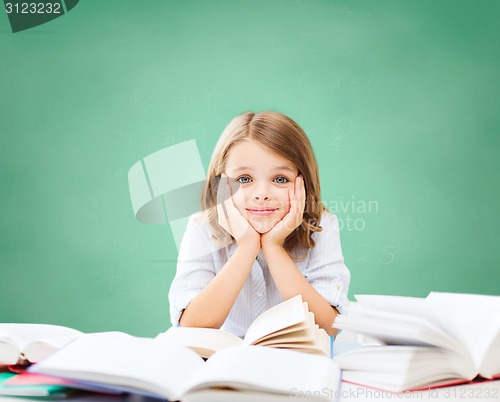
pixel 260 368
pixel 395 328
pixel 304 328
pixel 490 364
pixel 208 340
pixel 399 368
pixel 231 395
pixel 323 341
pixel 393 358
pixel 286 314
pixel 21 335
pixel 289 331
pixel 414 306
pixel 309 338
pixel 474 320
pixel 38 350
pixel 305 335
pixel 121 361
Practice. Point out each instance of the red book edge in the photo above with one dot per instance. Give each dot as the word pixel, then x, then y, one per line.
pixel 441 384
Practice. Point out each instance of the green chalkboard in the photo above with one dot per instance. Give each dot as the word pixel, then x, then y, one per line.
pixel 399 98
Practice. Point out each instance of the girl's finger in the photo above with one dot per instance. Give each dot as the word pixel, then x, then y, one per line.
pixel 238 198
pixel 222 196
pixel 226 200
pixel 222 191
pixel 296 192
pixel 226 181
pixel 302 194
pixel 222 211
pixel 293 201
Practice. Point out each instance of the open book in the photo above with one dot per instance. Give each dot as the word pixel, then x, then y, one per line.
pixel 288 325
pixel 443 339
pixel 158 368
pixel 32 342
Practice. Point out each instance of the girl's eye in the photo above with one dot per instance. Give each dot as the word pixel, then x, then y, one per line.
pixel 244 179
pixel 281 180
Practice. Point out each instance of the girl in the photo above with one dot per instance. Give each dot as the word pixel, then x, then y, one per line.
pixel 263 235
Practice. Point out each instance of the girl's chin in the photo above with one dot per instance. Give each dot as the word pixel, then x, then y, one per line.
pixel 263 227
pixel 262 230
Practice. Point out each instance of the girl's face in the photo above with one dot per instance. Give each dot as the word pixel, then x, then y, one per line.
pixel 265 179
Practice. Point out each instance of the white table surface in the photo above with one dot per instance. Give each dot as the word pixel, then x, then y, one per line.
pixel 488 391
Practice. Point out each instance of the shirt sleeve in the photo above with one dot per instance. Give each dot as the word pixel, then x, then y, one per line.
pixel 195 268
pixel 326 270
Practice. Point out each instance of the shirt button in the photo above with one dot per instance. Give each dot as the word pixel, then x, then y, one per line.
pixel 259 294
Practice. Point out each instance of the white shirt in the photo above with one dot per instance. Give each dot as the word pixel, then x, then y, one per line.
pixel 200 259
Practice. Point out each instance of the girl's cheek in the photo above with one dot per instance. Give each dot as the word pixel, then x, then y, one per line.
pixel 244 201
pixel 243 197
pixel 286 206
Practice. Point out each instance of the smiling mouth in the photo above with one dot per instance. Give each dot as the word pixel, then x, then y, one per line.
pixel 261 211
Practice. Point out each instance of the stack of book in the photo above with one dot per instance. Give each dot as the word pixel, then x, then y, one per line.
pixel 439 340
pixel 24 344
pixel 283 354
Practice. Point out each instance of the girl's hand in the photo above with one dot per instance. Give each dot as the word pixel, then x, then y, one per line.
pixel 231 219
pixel 277 235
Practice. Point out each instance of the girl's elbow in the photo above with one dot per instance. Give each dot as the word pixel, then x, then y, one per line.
pixel 332 331
pixel 187 320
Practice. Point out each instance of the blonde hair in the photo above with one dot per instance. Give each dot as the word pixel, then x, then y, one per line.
pixel 281 135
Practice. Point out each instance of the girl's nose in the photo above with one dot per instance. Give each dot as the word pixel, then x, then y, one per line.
pixel 261 192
